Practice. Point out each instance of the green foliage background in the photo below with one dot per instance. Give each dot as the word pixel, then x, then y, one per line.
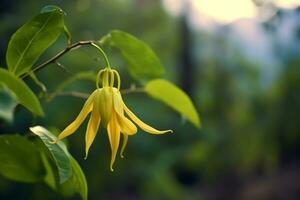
pixel 247 132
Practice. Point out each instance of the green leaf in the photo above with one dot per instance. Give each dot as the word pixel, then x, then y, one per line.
pixel 50 177
pixel 20 159
pixel 77 183
pixel 143 64
pixel 74 181
pixel 32 39
pixel 51 8
pixel 22 92
pixel 58 151
pixel 8 104
pixel 174 97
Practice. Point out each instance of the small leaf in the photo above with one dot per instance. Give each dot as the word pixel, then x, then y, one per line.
pixel 20 159
pixel 32 39
pixel 22 92
pixel 143 64
pixel 51 8
pixel 58 151
pixel 174 97
pixel 8 104
pixel 77 183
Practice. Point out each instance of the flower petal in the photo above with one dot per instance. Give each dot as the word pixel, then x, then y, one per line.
pixel 125 140
pixel 118 102
pixel 125 124
pixel 92 127
pixel 142 125
pixel 127 127
pixel 87 107
pixel 113 131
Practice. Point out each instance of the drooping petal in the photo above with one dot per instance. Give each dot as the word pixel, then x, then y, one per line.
pixel 125 124
pixel 143 125
pixel 125 140
pixel 113 131
pixel 118 102
pixel 127 127
pixel 92 127
pixel 87 107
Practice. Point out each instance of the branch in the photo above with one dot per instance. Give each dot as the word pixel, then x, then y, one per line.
pixel 132 89
pixel 60 54
pixel 74 94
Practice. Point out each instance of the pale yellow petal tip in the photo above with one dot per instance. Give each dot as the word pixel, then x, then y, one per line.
pixel 122 156
pixel 167 131
pixel 111 166
pixel 111 169
pixel 86 154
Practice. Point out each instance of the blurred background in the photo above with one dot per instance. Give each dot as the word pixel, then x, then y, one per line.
pixel 238 60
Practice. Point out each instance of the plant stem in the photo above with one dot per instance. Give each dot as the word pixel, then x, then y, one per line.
pixel 103 53
pixel 132 90
pixel 66 50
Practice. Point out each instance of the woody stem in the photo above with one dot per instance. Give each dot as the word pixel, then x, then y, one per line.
pixel 66 50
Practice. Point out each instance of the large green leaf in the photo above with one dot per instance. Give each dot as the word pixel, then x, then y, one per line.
pixel 32 39
pixel 51 175
pixel 143 64
pixel 77 183
pixel 174 97
pixel 22 92
pixel 20 159
pixel 71 177
pixel 58 151
pixel 8 104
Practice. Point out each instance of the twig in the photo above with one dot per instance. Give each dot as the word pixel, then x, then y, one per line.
pixel 132 90
pixel 74 94
pixel 60 54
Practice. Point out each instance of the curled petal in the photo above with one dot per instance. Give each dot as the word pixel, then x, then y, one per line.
pixel 127 127
pixel 87 107
pixel 142 125
pixel 125 124
pixel 125 140
pixel 118 102
pixel 113 131
pixel 92 127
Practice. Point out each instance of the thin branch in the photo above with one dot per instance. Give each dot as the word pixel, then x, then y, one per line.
pixel 132 90
pixel 60 54
pixel 74 94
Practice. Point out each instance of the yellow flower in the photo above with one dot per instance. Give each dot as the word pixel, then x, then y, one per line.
pixel 107 108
